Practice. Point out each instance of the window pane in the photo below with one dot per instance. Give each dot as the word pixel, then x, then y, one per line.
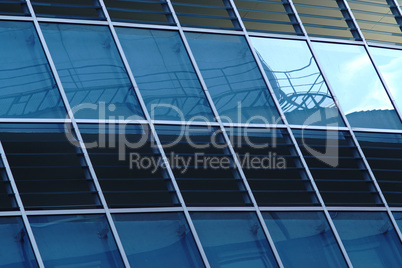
pixel 76 9
pixel 389 61
pixel 206 13
pixel 304 239
pixel 384 154
pixel 274 16
pixel 91 71
pixel 233 79
pixel 16 250
pixel 75 241
pixel 164 74
pixel 337 168
pixel 326 18
pixel 357 86
pixel 139 11
pixel 272 167
pixel 7 198
pixel 157 240
pixel 49 171
pixel 369 238
pixel 297 82
pixel 128 168
pixel 233 239
pixel 203 167
pixel 27 88
pixel 14 8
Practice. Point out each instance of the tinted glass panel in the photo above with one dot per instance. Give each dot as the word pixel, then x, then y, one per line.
pixel 206 13
pixel 389 61
pixel 27 86
pixel 203 167
pixel 127 166
pixel 13 7
pixel 92 73
pixel 7 198
pixel 297 82
pixel 326 18
pixel 357 86
pixel 377 20
pixel 77 9
pixel 304 239
pixel 139 11
pixel 75 241
pixel 157 240
pixel 272 168
pixel 50 172
pixel 233 239
pixel 337 168
pixel 164 74
pixel 369 238
pixel 233 79
pixel 384 154
pixel 16 250
pixel 274 16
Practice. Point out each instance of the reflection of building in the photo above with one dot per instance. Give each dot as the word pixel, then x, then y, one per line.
pixel 200 133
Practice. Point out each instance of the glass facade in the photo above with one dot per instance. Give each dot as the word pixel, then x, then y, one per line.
pixel 202 133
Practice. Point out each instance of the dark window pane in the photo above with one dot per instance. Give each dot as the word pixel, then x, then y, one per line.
pixel 164 74
pixel 384 154
pixel 14 8
pixel 75 241
pixel 27 88
pixel 326 18
pixel 203 167
pixel 297 82
pixel 233 79
pixel 356 85
pixel 377 20
pixel 140 11
pixel 272 167
pixel 75 9
pixel 337 168
pixel 91 70
pixel 49 171
pixel 16 250
pixel 206 14
pixel 157 240
pixel 369 238
pixel 233 239
pixel 127 166
pixel 304 239
pixel 7 198
pixel 273 16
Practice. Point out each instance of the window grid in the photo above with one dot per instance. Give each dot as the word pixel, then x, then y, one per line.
pixel 222 126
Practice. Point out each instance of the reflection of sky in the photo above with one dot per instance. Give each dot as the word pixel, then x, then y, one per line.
pixel 352 77
pixel 292 64
pixel 390 63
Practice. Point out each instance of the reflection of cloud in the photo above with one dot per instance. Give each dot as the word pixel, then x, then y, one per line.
pixel 354 66
pixel 392 73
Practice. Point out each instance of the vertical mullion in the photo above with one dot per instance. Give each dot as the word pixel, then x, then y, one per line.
pixel 293 139
pixel 21 207
pixel 79 137
pixel 154 135
pixel 391 216
pixel 225 135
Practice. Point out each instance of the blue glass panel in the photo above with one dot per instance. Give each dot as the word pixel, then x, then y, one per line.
pixel 75 241
pixel 91 70
pixel 27 88
pixel 15 250
pixel 233 239
pixel 369 238
pixel 304 239
pixel 389 61
pixel 164 74
pixel 233 78
pixel 297 82
pixel 357 86
pixel 157 240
